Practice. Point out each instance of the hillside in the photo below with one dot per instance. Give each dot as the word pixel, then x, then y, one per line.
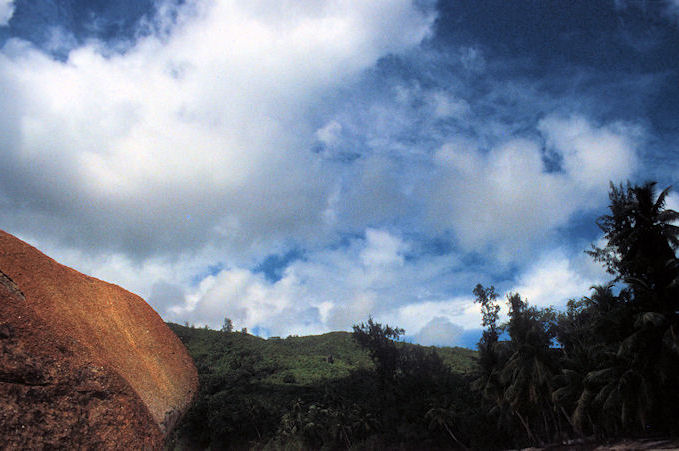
pixel 305 358
pixel 250 386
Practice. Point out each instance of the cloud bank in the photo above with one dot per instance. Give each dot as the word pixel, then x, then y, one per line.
pixel 196 136
pixel 376 172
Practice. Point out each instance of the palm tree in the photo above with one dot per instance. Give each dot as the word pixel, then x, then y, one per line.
pixel 529 371
pixel 492 352
pixel 642 240
pixel 641 236
pixel 590 333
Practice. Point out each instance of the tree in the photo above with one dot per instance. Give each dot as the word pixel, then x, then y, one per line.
pixel 641 240
pixel 491 355
pixel 590 333
pixel 490 310
pixel 379 341
pixel 640 251
pixel 228 325
pixel 517 374
pixel 528 373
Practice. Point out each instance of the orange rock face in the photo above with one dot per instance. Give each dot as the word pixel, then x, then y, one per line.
pixel 82 352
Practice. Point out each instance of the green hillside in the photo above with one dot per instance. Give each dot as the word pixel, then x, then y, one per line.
pixel 250 385
pixel 305 358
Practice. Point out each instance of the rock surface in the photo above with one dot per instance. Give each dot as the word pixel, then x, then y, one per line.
pixel 83 363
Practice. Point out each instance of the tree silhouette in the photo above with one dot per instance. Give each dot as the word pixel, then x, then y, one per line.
pixel 641 238
pixel 379 341
pixel 639 377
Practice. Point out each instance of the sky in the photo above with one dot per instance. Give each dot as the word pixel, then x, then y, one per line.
pixel 300 166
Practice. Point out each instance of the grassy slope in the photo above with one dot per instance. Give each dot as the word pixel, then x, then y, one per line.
pixel 248 383
pixel 305 358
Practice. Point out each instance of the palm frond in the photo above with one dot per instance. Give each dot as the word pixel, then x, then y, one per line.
pixel 599 377
pixel 660 202
pixel 650 319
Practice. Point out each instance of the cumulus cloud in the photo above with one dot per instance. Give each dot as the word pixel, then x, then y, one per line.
pixel 447 106
pixel 238 130
pixel 507 199
pixel 330 133
pixel 198 135
pixel 148 278
pixel 438 332
pixel 591 156
pixel 6 11
pixel 331 289
pixel 325 291
pixel 382 249
pixel 555 278
pixel 459 311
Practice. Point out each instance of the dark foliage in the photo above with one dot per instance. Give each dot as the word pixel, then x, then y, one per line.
pixel 608 365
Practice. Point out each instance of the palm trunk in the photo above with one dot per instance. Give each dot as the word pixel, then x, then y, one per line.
pixel 548 435
pixel 526 427
pixel 567 417
pixel 453 436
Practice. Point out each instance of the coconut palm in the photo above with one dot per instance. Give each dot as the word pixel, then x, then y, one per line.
pixel 641 237
pixel 642 240
pixel 529 371
pixel 590 332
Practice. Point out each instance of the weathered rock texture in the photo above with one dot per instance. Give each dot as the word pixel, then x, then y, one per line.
pixel 83 363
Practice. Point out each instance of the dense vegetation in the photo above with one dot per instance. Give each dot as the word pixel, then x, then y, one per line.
pixel 606 367
pixel 316 391
pixel 609 365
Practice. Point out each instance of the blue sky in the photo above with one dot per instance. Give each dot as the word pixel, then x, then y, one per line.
pixel 298 166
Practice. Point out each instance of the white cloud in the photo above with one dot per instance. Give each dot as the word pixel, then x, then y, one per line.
pixel 436 103
pixel 447 106
pixel 176 167
pixel 6 11
pixel 555 279
pixel 506 200
pixel 672 200
pixel 330 290
pixel 382 249
pixel 438 332
pixel 199 136
pixel 250 300
pixel 414 317
pixel 144 278
pixel 591 156
pixel 330 133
